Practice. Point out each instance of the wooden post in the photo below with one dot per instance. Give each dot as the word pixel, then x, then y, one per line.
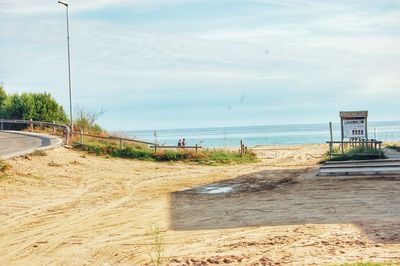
pixel 81 133
pixel 196 148
pixel 341 125
pixel 241 147
pixel 67 135
pixel 331 143
pixel 31 125
pixel 155 149
pixel 54 128
pixel 366 136
pixel 1 123
pixel 121 144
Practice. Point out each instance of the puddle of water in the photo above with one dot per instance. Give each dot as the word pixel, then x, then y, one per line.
pixel 215 190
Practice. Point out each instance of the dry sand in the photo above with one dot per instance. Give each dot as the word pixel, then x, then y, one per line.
pixel 70 208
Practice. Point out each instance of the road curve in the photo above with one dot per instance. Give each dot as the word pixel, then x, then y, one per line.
pixel 14 143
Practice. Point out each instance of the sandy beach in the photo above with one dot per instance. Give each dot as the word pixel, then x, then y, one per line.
pixel 71 208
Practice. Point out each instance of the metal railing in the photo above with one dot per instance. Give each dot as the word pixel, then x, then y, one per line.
pixel 30 123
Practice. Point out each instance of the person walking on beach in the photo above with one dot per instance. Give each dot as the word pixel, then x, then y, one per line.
pixel 183 142
pixel 179 143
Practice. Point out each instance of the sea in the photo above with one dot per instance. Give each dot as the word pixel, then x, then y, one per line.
pixel 260 135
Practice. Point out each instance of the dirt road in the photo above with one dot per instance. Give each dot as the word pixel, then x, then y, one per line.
pixel 68 208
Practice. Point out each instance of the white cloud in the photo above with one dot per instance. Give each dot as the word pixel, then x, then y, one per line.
pixel 317 58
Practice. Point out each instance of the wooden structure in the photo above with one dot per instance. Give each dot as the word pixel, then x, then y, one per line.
pixel 354 132
pixel 354 125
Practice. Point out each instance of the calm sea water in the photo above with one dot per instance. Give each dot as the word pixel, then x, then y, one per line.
pixel 259 135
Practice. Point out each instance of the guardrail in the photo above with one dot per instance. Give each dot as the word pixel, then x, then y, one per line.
pixel 368 145
pixel 30 123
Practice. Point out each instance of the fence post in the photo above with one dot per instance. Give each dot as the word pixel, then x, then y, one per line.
pixel 196 148
pixel 331 143
pixel 67 135
pixel 1 123
pixel 121 144
pixel 54 127
pixel 31 125
pixel 81 133
pixel 241 147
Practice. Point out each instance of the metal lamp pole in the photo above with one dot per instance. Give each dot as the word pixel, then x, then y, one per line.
pixel 69 66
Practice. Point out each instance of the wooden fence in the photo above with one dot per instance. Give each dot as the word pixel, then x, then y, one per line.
pixel 367 145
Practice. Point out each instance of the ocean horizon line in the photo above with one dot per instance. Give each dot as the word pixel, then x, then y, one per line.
pixel 247 126
pixel 261 135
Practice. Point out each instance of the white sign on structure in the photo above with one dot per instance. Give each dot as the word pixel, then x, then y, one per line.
pixel 354 128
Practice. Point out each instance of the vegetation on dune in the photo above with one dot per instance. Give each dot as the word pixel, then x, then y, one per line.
pixel 352 153
pixel 86 121
pixel 142 152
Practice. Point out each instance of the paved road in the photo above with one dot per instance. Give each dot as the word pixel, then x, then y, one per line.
pixel 18 143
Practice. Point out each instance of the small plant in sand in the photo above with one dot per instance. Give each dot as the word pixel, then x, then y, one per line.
pixel 3 168
pixel 156 245
pixel 38 153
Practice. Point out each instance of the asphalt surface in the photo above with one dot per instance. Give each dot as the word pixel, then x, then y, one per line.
pixel 18 143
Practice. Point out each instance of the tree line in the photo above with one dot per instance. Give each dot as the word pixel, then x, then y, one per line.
pixel 35 106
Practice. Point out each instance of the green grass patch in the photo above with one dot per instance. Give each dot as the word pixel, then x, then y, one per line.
pixel 353 153
pixel 141 152
pixel 223 157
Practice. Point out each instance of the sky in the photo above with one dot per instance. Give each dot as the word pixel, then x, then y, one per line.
pixel 154 64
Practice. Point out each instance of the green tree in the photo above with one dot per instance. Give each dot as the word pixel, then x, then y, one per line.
pixel 35 106
pixel 3 98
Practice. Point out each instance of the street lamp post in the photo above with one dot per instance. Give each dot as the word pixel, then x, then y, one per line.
pixel 69 66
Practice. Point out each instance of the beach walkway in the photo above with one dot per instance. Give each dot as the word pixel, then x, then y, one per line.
pixel 389 166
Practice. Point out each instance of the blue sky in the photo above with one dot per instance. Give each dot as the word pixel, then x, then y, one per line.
pixel 176 64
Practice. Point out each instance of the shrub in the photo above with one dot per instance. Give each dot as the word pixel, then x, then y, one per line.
pixel 86 120
pixel 39 153
pixel 144 153
pixel 4 166
pixel 36 106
